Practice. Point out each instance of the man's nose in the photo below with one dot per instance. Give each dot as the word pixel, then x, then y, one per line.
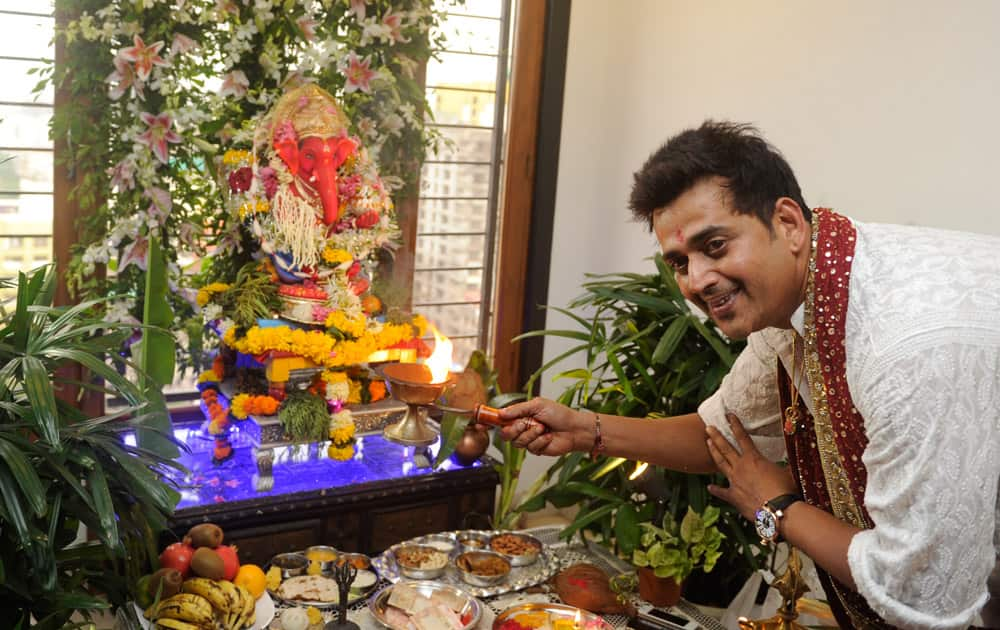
pixel 701 276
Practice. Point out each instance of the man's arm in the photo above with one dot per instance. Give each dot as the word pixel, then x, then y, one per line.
pixel 545 427
pixel 677 443
pixel 753 480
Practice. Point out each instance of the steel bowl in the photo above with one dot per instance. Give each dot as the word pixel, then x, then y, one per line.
pixel 441 542
pixel 520 549
pixel 482 568
pixel 291 564
pixel 472 610
pixel 325 555
pixel 359 560
pixel 405 556
pixel 471 541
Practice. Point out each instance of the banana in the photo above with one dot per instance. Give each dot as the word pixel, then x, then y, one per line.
pixel 247 612
pixel 237 614
pixel 176 624
pixel 185 607
pixel 235 604
pixel 211 590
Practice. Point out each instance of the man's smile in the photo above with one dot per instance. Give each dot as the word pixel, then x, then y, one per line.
pixel 722 304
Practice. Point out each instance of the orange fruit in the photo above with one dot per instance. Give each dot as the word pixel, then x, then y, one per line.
pixel 252 578
pixel 371 304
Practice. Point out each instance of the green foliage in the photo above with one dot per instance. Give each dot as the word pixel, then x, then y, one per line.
pixel 117 181
pixel 304 417
pixel 60 469
pixel 511 457
pixel 253 295
pixel 644 354
pixel 673 550
pixel 154 353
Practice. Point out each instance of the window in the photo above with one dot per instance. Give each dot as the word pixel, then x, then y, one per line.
pixel 452 282
pixel 26 30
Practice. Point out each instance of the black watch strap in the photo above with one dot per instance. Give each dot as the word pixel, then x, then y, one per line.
pixel 781 502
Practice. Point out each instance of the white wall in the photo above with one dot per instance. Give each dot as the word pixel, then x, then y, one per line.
pixel 888 111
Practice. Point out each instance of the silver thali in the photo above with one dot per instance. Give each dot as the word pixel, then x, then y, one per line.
pixel 519 578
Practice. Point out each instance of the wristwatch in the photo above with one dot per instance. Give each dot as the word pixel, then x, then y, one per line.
pixel 767 517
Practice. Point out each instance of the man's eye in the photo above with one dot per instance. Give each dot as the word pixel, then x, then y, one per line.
pixel 715 246
pixel 678 265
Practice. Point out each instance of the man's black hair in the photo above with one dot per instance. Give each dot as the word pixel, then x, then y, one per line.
pixel 755 173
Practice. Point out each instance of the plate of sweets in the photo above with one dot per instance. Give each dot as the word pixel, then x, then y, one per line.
pixel 547 616
pixel 425 605
pixel 306 578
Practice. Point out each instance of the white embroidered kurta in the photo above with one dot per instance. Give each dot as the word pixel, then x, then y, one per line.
pixel 923 367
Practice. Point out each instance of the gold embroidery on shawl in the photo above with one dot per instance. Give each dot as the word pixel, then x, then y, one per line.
pixel 838 488
pixel 841 498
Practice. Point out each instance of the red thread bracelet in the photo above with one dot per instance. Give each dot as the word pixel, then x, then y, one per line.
pixel 598 448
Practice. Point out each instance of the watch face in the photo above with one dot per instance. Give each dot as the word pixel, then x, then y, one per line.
pixel 766 524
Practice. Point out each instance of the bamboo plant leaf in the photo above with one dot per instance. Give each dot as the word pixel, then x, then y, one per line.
pixel 14 513
pixel 38 388
pixel 713 340
pixel 671 339
pixel 104 507
pixel 594 491
pixel 586 519
pixel 609 465
pixel 22 470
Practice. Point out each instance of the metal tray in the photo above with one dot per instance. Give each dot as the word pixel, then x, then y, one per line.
pixel 584 619
pixel 519 578
pixel 352 598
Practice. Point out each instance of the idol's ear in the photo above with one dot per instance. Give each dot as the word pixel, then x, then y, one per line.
pixel 345 148
pixel 789 223
pixel 288 150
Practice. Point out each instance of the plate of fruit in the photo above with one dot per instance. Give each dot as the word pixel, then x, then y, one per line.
pixel 202 585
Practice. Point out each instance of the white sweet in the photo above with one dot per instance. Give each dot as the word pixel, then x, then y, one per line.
pixel 294 619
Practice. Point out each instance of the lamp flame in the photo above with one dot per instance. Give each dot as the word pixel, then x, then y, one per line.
pixel 440 360
pixel 576 619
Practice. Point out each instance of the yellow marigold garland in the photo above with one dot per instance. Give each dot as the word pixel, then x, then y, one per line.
pixel 234 157
pixel 342 431
pixel 318 346
pixel 352 326
pixel 340 453
pixel 261 206
pixel 208 376
pixel 342 428
pixel 421 324
pixel 336 256
pixel 207 292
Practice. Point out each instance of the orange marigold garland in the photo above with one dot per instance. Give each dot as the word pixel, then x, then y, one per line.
pixel 245 405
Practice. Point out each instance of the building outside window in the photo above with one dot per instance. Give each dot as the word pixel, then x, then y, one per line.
pixel 26 28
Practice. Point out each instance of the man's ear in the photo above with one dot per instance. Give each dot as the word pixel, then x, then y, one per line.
pixel 789 222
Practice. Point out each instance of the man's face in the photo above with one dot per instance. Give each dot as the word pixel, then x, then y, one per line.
pixel 744 276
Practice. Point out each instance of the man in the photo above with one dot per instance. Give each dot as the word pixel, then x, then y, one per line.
pixel 873 354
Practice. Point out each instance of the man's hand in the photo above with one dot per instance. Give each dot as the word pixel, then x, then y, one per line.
pixel 541 426
pixel 752 478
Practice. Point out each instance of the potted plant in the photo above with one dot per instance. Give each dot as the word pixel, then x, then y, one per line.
pixel 60 469
pixel 669 553
pixel 644 354
pixel 478 384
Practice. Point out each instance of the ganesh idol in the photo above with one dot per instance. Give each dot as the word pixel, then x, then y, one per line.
pixel 327 210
